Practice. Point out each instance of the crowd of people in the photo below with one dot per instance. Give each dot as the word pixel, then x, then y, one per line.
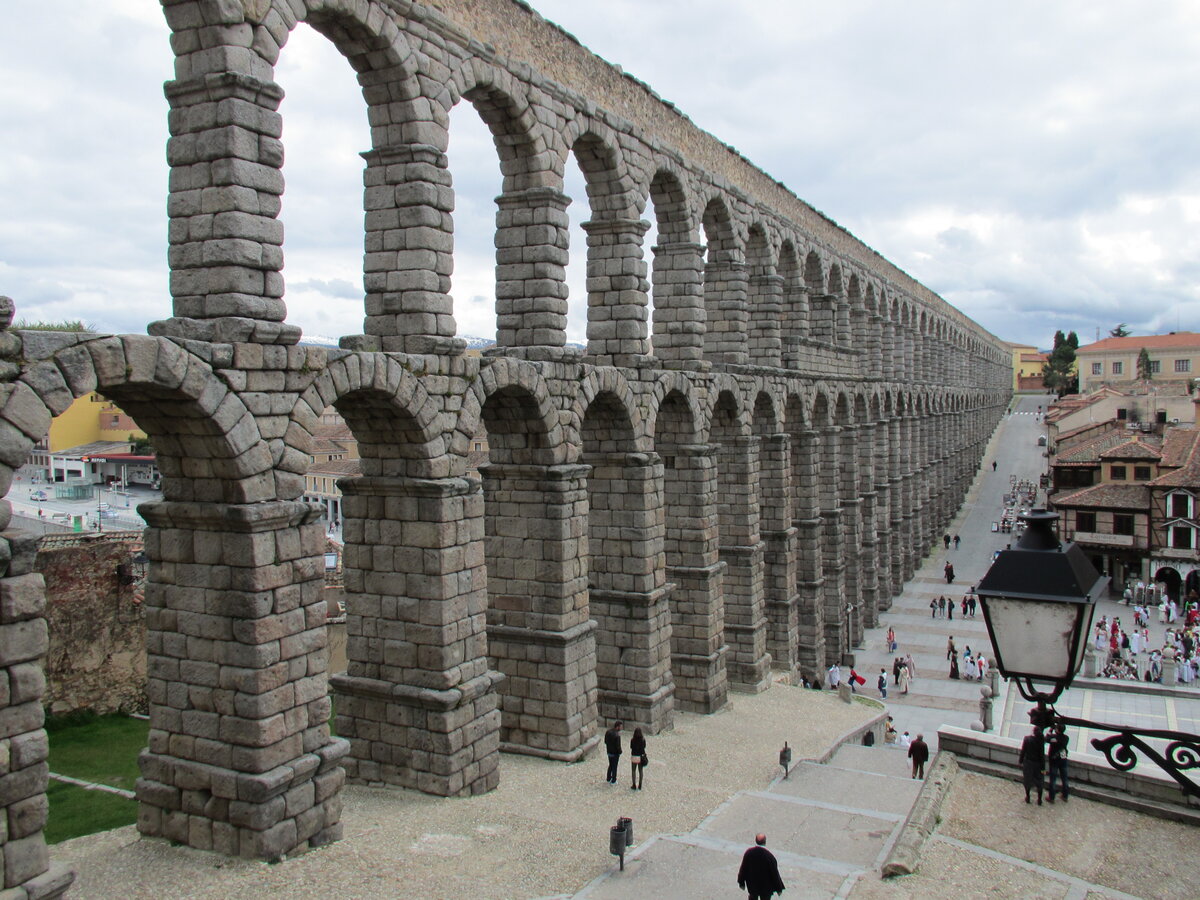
pixel 1130 656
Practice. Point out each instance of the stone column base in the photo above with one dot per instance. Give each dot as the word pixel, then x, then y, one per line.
pixel 280 812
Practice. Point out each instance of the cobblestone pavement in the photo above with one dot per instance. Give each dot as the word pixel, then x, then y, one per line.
pixel 543 832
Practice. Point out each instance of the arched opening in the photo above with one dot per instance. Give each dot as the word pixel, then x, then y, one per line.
pixel 627 593
pixel 698 647
pixel 325 129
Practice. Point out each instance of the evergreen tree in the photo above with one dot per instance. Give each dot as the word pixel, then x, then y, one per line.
pixel 1119 331
pixel 1143 365
pixel 1057 372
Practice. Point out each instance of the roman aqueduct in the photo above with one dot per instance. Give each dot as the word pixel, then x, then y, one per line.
pixel 668 514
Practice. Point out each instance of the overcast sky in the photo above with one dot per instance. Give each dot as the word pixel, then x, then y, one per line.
pixel 1035 163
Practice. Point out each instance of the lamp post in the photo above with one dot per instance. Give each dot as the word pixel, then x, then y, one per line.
pixel 1038 604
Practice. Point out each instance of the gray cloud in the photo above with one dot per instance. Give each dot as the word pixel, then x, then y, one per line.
pixel 1034 163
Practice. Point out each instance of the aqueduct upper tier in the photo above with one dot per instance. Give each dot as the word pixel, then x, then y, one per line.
pixel 668 514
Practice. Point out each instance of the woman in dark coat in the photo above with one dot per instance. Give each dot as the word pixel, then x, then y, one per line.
pixel 1033 763
pixel 954 666
pixel 637 758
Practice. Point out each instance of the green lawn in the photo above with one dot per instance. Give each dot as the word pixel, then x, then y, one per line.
pixel 100 749
pixel 75 812
pixel 103 749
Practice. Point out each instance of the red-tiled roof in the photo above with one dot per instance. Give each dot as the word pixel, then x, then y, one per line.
pixel 1181 451
pixel 1133 343
pixel 1134 449
pixel 1106 496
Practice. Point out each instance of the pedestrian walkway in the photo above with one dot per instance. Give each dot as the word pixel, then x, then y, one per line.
pixel 828 825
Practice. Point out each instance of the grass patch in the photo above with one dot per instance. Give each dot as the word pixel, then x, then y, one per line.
pixel 868 701
pixel 75 812
pixel 103 749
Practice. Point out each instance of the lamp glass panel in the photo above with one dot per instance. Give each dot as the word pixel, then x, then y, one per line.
pixel 1035 638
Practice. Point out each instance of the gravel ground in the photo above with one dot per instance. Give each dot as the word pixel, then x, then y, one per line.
pixel 543 832
pixel 1101 844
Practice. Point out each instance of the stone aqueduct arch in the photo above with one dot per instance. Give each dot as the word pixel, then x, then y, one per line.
pixel 664 518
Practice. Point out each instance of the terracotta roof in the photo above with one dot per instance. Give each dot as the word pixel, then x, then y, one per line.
pixel 1088 452
pixel 1107 496
pixel 1134 343
pixel 1134 449
pixel 337 467
pixel 1181 451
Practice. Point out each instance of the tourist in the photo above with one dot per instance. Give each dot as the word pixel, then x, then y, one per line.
pixel 834 676
pixel 933 609
pixel 612 746
pixel 971 602
pixel 904 677
pixel 954 667
pixel 912 666
pixel 882 683
pixel 957 541
pixel 942 601
pixel 950 651
pixel 1057 747
pixel 759 872
pixel 637 758
pixel 891 639
pixel 918 752
pixel 946 539
pixel 1033 761
pixel 889 729
pixel 905 741
pixel 948 569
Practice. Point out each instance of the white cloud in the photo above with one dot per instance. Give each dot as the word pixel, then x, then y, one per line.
pixel 1034 163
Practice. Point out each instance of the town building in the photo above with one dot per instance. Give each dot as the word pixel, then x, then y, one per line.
pixel 1142 403
pixel 1027 363
pixel 1114 360
pixel 1129 499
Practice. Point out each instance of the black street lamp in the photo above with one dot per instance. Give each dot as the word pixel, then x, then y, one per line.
pixel 1038 604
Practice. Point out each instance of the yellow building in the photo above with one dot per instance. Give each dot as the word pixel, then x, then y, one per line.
pixel 1027 362
pixel 89 419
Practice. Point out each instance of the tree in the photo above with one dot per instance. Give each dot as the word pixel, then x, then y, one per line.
pixel 1119 331
pixel 1058 372
pixel 1143 366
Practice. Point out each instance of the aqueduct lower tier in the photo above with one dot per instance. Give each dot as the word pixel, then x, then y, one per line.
pixel 642 541
pixel 736 483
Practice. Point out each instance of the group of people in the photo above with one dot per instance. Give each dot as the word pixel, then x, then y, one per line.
pixel 904 672
pixel 637 754
pixel 1177 661
pixel 1041 752
pixel 968 667
pixel 942 607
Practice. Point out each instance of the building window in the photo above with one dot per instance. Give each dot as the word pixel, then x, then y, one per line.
pixel 478 446
pixel 1118 368
pixel 1117 473
pixel 1141 473
pixel 1122 523
pixel 1155 366
pixel 1085 521
pixel 1181 506
pixel 1181 537
pixel 1097 368
pixel 1122 414
pixel 1183 365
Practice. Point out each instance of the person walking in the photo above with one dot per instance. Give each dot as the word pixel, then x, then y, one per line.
pixel 759 872
pixel 949 570
pixel 834 676
pixel 942 605
pixel 950 650
pixel 1057 747
pixel 612 746
pixel 946 540
pixel 957 541
pixel 954 667
pixel 882 683
pixel 993 465
pixel 1033 761
pixel 637 758
pixel 891 640
pixel 912 666
pixel 904 677
pixel 918 752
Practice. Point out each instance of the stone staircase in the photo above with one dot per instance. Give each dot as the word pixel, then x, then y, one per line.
pixel 827 824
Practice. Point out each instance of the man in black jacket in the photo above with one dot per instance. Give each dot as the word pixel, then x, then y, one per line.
pixel 612 745
pixel 759 874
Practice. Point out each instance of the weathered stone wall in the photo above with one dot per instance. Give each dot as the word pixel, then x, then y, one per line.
pixel 739 486
pixel 97 655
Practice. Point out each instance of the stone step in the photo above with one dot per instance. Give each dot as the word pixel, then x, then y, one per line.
pixel 868 779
